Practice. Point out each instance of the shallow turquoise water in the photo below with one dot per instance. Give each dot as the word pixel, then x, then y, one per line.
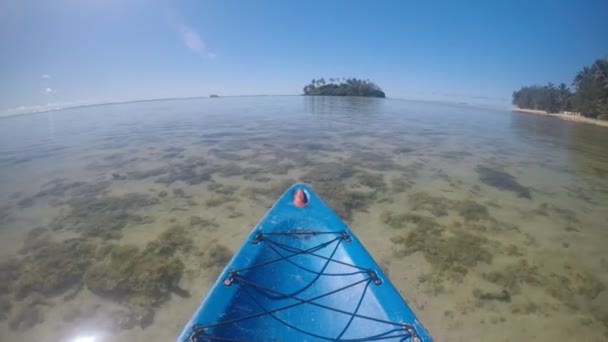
pixel 457 203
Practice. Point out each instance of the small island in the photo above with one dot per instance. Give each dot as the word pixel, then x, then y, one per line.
pixel 343 87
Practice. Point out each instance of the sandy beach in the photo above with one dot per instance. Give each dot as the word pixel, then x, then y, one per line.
pixel 564 117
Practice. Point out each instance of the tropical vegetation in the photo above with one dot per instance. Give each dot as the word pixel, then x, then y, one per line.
pixel 589 96
pixel 343 87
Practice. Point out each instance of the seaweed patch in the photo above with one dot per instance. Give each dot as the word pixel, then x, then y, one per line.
pixel 503 181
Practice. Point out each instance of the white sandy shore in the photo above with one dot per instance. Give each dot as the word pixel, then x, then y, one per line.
pixel 565 116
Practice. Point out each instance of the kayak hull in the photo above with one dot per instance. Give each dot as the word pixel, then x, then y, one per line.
pixel 302 275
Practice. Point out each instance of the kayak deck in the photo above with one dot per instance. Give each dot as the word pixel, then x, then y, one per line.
pixel 302 275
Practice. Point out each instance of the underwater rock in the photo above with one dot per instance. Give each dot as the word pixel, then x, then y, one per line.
pixel 25 317
pixel 54 268
pixel 162 194
pixel 503 181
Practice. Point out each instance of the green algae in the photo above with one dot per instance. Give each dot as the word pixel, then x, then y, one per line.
pixel 103 217
pixel 143 174
pixel 219 200
pixel 371 180
pixel 328 180
pixel 25 317
pixel 202 222
pixel 140 279
pixel 501 296
pixel 171 240
pixel 54 268
pixel 217 256
pixel 271 192
pixel 469 210
pixel 472 211
pixel 376 160
pixel 35 239
pixel 503 181
pixel 222 189
pixel 226 155
pixel 9 272
pixel 401 220
pixel 62 187
pixel 5 307
pixel 437 206
pixel 451 252
pixel 579 290
pixel 400 184
pixel 189 172
pixel 515 275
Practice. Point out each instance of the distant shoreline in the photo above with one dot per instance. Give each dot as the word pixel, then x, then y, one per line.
pixel 567 117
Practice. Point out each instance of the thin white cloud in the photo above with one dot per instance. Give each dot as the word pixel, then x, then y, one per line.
pixel 48 90
pixel 189 36
pixel 47 76
pixel 192 39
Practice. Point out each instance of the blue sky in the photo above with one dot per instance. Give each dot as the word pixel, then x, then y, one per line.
pixel 71 51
